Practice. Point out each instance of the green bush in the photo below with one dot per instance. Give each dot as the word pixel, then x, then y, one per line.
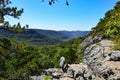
pixel 47 77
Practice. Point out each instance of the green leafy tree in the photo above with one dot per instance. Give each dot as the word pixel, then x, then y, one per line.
pixel 110 24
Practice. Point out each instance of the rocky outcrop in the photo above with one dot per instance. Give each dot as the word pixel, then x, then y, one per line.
pixel 95 57
pixel 99 63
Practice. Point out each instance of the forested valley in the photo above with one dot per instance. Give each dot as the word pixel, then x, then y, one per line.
pixel 25 52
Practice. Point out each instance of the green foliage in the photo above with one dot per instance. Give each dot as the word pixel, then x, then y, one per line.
pixel 116 44
pixel 47 77
pixel 18 60
pixel 32 37
pixel 98 43
pixel 6 10
pixel 109 26
pixel 43 37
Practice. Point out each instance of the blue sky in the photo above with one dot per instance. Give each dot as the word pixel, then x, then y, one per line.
pixel 79 15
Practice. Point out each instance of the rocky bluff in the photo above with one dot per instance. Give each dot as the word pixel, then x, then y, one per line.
pixel 100 63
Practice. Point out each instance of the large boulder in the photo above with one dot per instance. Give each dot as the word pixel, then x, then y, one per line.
pixel 62 61
pixel 63 64
pixel 114 55
pixel 93 53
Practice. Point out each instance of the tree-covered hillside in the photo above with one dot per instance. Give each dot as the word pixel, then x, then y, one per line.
pixel 54 34
pixel 44 37
pixel 18 60
pixel 109 26
pixel 75 34
pixel 31 37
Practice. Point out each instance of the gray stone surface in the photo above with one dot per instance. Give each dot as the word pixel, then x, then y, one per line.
pixel 52 70
pixel 94 57
pixel 37 77
pixel 70 72
pixel 106 59
pixel 88 75
pixel 79 72
pixel 115 56
pixel 112 56
pixel 93 53
pixel 63 64
pixel 89 40
pixel 62 61
pixel 56 75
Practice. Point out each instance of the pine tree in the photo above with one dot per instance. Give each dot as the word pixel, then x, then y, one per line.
pixel 6 10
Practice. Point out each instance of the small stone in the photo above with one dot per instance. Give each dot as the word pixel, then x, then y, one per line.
pixel 56 75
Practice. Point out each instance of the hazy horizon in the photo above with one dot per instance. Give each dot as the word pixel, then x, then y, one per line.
pixel 58 30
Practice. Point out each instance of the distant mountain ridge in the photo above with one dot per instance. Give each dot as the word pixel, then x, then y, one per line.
pixel 76 34
pixel 31 36
pixel 39 36
pixel 53 34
